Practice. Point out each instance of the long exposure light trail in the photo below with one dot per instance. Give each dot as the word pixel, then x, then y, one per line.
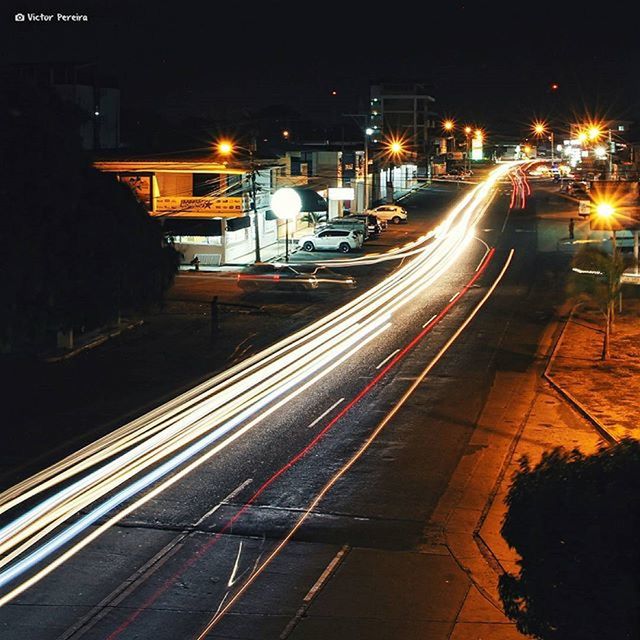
pixel 223 610
pixel 132 459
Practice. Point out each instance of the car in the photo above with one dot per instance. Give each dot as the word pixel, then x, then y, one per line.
pixel 356 224
pixel 331 239
pixel 268 276
pixel 373 224
pixel 389 212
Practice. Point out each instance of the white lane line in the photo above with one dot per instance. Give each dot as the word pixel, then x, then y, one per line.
pixel 128 586
pixel 430 320
pixel 486 251
pixel 393 353
pixel 232 495
pixel 330 568
pixel 326 574
pixel 454 296
pixel 329 410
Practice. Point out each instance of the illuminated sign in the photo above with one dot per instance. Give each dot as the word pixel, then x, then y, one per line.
pixel 476 149
pixel 342 193
pixel 199 204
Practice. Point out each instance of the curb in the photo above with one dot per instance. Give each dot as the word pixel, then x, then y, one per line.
pixel 96 342
pixel 577 405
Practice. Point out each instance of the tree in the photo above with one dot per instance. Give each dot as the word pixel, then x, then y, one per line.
pixel 574 520
pixel 77 248
pixel 596 276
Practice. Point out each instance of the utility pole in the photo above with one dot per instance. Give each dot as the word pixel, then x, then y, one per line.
pixel 365 172
pixel 254 206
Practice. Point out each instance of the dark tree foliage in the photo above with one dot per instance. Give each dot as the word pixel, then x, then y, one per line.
pixel 77 248
pixel 574 520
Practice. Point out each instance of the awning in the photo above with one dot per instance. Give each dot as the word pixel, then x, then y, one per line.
pixel 311 200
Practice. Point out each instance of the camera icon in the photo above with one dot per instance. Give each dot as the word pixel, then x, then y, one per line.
pixel 19 17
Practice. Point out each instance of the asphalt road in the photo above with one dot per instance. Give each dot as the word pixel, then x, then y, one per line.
pixel 169 566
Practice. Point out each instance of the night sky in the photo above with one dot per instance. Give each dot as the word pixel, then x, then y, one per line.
pixel 487 62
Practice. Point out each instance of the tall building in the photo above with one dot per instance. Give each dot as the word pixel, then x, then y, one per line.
pixel 404 110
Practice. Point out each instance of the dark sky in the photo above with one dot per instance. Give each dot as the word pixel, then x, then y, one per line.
pixel 489 62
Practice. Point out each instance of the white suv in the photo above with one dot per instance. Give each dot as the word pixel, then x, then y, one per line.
pixel 329 239
pixel 389 212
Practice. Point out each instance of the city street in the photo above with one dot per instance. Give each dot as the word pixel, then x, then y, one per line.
pixel 172 563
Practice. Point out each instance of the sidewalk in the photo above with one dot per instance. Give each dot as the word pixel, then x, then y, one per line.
pixel 595 384
pixel 523 416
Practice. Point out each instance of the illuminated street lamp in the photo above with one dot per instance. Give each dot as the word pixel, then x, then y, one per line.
pixel 541 129
pixel 227 148
pixel 467 134
pixel 286 204
pixel 395 148
pixel 449 126
pixel 606 212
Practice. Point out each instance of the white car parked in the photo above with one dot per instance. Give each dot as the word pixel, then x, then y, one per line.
pixel 390 212
pixel 329 239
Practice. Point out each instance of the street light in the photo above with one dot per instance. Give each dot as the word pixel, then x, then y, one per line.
pixel 607 212
pixel 541 129
pixel 449 126
pixel 286 204
pixel 365 174
pixel 467 133
pixel 395 148
pixel 227 148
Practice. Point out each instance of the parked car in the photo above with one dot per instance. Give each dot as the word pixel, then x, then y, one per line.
pixel 373 224
pixel 266 276
pixel 389 212
pixel 348 222
pixel 331 239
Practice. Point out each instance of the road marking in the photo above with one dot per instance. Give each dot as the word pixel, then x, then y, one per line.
pixel 330 568
pixel 331 408
pixel 455 295
pixel 326 574
pixel 393 353
pixel 358 454
pixel 430 320
pixel 129 585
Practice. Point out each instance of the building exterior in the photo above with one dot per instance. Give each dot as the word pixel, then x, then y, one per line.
pixel 205 206
pixel 404 110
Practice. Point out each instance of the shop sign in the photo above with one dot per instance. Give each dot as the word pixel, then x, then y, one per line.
pixel 199 204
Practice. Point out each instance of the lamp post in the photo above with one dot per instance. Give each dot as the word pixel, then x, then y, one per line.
pixel 449 127
pixel 606 212
pixel 226 148
pixel 467 133
pixel 367 132
pixel 540 129
pixel 286 204
pixel 395 148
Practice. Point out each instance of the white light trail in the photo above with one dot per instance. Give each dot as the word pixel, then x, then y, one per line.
pixel 152 452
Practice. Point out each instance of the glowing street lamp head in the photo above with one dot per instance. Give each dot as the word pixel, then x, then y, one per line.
pixel 594 132
pixel 539 128
pixel 479 135
pixel 448 125
pixel 225 147
pixel 605 210
pixel 468 130
pixel 582 136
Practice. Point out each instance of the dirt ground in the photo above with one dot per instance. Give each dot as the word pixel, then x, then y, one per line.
pixel 609 390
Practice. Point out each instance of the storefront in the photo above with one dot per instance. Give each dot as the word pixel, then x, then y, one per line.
pixel 204 206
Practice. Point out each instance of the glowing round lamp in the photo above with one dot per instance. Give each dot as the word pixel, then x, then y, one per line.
pixel 286 203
